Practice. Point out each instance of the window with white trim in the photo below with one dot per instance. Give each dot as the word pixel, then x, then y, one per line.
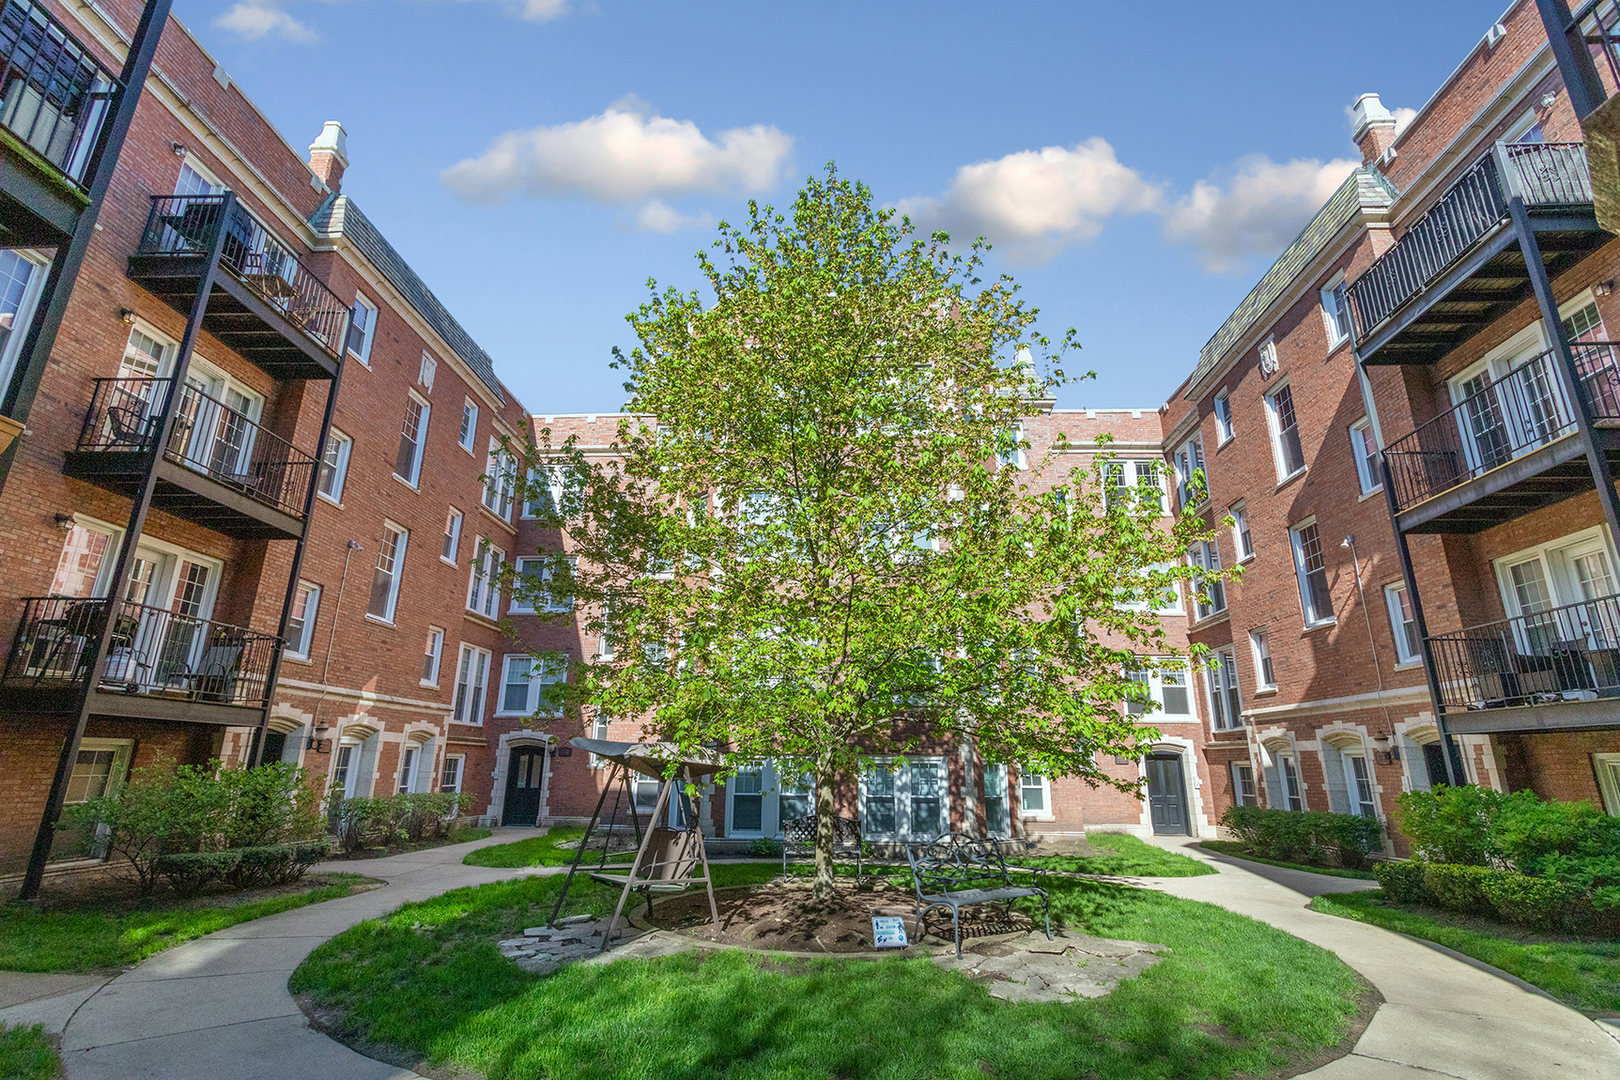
pixel 1210 589
pixel 484 589
pixel 1265 676
pixel 426 373
pixel 1285 441
pixel 599 732
pixel 1336 311
pixel 452 536
pixel 472 681
pixel 22 277
pixel 1366 455
pixel 390 565
pixel 908 801
pixel 1012 454
pixel 1225 705
pixel 543 492
pixel 1223 418
pixel 450 778
pixel 301 620
pixel 99 769
pixel 1310 567
pixel 1403 624
pixel 431 654
pixel 412 436
pixel 1293 794
pixel 1243 793
pixel 1142 475
pixel 408 756
pixel 334 465
pixel 1034 794
pixel 523 682
pixel 1358 779
pixel 536 571
pixel 1167 688
pixel 1189 463
pixel 500 480
pixel 362 328
pixel 469 425
pixel 1242 539
pixel 1606 767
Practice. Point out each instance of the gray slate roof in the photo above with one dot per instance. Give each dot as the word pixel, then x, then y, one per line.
pixel 341 217
pixel 1364 189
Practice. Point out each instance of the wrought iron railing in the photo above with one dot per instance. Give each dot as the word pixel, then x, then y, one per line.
pixel 1599 21
pixel 209 437
pixel 54 94
pixel 153 651
pixel 1543 174
pixel 1524 409
pixel 187 225
pixel 1568 653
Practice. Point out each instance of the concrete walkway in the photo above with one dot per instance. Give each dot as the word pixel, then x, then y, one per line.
pixel 218 1008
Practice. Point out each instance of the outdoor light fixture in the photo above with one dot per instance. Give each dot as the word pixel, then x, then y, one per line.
pixel 1603 288
pixel 126 315
pixel 318 740
pixel 66 521
pixel 1387 748
pixel 179 149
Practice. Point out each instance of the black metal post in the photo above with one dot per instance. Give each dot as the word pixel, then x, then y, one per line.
pixel 1574 60
pixel 96 647
pixel 573 866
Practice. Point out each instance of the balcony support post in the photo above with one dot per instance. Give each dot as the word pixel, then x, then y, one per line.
pixel 18 399
pixel 97 648
pixel 302 545
pixel 1574 60
pixel 1573 387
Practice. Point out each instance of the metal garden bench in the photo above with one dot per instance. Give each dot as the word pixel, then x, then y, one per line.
pixel 799 838
pixel 955 870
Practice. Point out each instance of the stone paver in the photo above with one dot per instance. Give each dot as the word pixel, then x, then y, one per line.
pixel 1027 967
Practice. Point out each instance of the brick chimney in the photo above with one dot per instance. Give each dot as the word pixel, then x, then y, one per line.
pixel 329 155
pixel 1375 127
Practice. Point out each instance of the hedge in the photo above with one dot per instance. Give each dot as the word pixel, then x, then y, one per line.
pixel 376 822
pixel 1511 897
pixel 1309 837
pixel 191 872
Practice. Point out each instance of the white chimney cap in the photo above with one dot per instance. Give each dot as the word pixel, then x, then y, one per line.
pixel 332 140
pixel 1368 112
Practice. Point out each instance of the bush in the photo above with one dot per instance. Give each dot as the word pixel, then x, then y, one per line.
pixel 376 822
pixel 1450 824
pixel 190 872
pixel 1457 887
pixel 358 822
pixel 154 813
pixel 277 864
pixel 1402 880
pixel 1308 837
pixel 764 847
pixel 1538 903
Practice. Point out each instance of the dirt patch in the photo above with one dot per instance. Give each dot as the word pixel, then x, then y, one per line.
pixel 115 893
pixel 787 917
pixel 331 1023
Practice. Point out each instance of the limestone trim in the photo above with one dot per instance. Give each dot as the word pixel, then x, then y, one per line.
pixel 503 754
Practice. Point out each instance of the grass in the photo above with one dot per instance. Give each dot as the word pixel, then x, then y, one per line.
pixel 87 940
pixel 1128 856
pixel 1238 851
pixel 1231 995
pixel 27 1053
pixel 1579 972
pixel 455 836
pixel 537 851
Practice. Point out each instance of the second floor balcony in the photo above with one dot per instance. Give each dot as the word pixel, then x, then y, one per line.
pixel 1507 449
pixel 1459 267
pixel 1555 668
pixel 266 305
pixel 219 468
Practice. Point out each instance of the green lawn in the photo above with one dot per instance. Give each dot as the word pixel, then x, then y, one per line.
pixel 1231 995
pixel 26 1053
pixel 1582 973
pixel 537 851
pixel 1238 851
pixel 85 940
pixel 1128 856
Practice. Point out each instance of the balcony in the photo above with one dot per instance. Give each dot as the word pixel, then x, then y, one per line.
pixel 160 664
pixel 1558 668
pixel 1458 268
pixel 219 469
pixel 1506 450
pixel 55 96
pixel 266 305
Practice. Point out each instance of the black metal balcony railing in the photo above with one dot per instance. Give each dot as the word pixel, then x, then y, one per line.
pixel 1544 174
pixel 209 437
pixel 1524 409
pixel 54 94
pixel 1601 31
pixel 153 651
pixel 186 225
pixel 1569 653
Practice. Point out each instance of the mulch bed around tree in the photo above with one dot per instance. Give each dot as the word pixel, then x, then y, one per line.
pixel 787 917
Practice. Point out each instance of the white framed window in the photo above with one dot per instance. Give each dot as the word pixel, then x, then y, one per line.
pixel 454 766
pixel 1190 461
pixel 362 328
pixel 523 678
pixel 1336 311
pixel 1225 705
pixel 390 566
pixel 1242 538
pixel 1167 688
pixel 1223 418
pixel 452 536
pixel 1012 454
pixel 1366 455
pixel 1035 795
pixel 1310 567
pixel 1526 129
pixel 1573 569
pixel 412 436
pixel 431 654
pixel 1285 440
pixel 22 277
pixel 996 821
pixel 599 732
pixel 1606 767
pixel 484 589
pixel 500 480
pixel 535 570
pixel 469 425
pixel 1265 677
pixel 99 769
pixel 906 799
pixel 301 620
pixel 472 682
pixel 1143 475
pixel 1403 624
pixel 334 465
pixel 544 493
pixel 408 756
pixel 1284 791
pixel 1211 590
pixel 1358 780
pixel 1243 793
pixel 425 374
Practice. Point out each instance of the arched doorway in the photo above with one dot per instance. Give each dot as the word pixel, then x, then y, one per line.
pixel 525 771
pixel 1167 794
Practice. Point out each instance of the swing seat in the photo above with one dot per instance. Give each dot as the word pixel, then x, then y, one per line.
pixel 672 856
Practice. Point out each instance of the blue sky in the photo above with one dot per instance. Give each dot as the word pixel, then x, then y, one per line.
pixel 538 160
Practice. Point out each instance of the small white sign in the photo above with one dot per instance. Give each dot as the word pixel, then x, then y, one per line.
pixel 889 932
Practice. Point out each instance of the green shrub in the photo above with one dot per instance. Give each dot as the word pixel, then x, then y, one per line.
pixel 1450 824
pixel 1458 887
pixel 1402 880
pixel 375 822
pixel 1538 903
pixel 155 812
pixel 190 872
pixel 1312 837
pixel 764 847
pixel 265 806
pixel 277 864
pixel 359 822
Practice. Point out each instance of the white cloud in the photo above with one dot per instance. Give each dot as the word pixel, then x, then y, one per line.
pixel 621 155
pixel 259 19
pixel 1403 116
pixel 1034 203
pixel 658 216
pixel 1259 211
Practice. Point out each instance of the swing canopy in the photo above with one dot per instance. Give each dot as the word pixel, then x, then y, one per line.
pixel 651 758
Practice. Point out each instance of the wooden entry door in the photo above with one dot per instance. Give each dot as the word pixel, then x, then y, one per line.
pixel 524 770
pixel 1167 794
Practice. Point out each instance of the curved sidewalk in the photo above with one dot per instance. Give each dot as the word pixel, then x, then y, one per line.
pixel 1442 1017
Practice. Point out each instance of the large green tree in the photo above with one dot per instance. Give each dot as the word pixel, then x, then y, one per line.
pixel 822 538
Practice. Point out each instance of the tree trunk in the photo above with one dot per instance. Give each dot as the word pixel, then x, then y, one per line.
pixel 823 884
